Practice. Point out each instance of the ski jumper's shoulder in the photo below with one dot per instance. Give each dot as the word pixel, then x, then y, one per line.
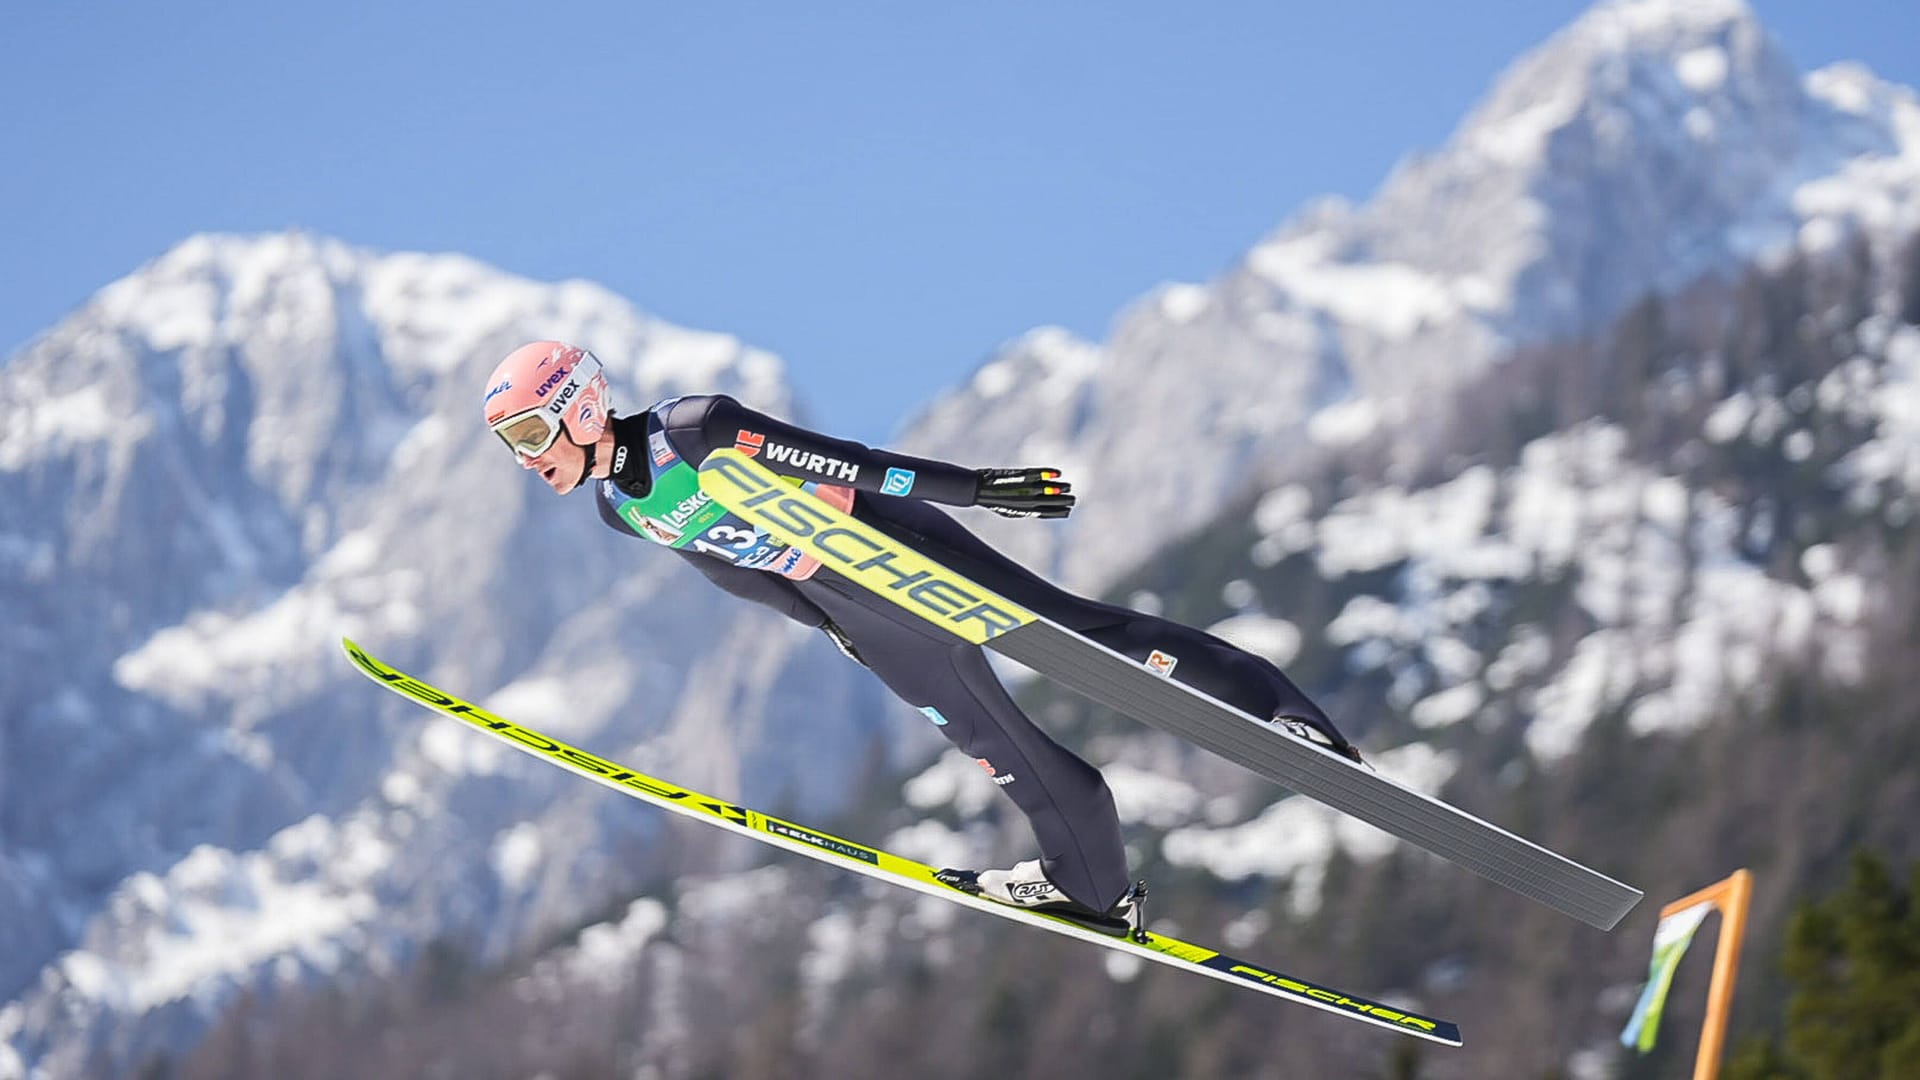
pixel 684 420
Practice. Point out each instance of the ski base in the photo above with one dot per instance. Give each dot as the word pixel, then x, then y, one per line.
pixel 971 612
pixel 896 869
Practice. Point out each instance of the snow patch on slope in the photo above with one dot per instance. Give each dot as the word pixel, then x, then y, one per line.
pixel 1681 618
pixel 216 916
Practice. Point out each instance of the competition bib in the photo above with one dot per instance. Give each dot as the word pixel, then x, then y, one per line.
pixel 677 514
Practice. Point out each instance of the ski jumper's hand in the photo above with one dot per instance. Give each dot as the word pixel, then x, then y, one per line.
pixel 1024 493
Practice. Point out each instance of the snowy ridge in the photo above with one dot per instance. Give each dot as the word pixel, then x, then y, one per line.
pixel 1030 404
pixel 1646 145
pixel 1364 314
pixel 301 415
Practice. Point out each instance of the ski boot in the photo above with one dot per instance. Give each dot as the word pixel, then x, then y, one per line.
pixel 1027 886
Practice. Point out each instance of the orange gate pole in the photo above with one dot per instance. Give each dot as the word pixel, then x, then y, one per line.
pixel 1730 897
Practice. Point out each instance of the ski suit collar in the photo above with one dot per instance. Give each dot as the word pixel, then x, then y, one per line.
pixel 630 472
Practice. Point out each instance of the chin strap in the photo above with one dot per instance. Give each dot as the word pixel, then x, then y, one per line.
pixel 586 470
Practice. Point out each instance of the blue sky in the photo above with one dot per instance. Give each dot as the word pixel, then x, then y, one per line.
pixel 882 193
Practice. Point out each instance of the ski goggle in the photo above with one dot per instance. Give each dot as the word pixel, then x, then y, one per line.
pixel 532 432
pixel 529 434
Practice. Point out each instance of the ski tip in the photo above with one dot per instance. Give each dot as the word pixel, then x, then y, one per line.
pixel 1612 919
pixel 358 656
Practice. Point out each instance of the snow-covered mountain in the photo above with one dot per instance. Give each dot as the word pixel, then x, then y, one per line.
pixel 254 445
pixel 1649 144
pixel 215 468
pixel 1646 618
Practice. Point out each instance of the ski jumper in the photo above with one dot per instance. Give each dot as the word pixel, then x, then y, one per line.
pixel 654 493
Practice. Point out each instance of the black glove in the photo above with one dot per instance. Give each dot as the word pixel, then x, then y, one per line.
pixel 842 642
pixel 1023 493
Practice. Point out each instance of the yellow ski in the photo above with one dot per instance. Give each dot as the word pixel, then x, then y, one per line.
pixel 885 866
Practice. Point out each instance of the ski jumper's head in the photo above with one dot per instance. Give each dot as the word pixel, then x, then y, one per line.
pixel 540 392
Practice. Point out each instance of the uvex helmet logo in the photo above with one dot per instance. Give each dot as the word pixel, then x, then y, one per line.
pixel 553 380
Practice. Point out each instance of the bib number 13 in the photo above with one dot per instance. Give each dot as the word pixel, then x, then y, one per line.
pixel 728 541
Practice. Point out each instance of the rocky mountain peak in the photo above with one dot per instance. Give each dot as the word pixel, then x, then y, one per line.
pixel 1649 144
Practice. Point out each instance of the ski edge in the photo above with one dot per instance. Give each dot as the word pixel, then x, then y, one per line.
pixel 884 866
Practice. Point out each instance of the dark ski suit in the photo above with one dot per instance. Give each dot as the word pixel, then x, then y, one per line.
pixel 653 493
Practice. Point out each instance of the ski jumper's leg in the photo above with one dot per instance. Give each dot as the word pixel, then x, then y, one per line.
pixel 1206 663
pixel 1065 799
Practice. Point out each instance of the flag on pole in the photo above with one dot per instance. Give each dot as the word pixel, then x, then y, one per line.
pixel 1678 921
pixel 1670 941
